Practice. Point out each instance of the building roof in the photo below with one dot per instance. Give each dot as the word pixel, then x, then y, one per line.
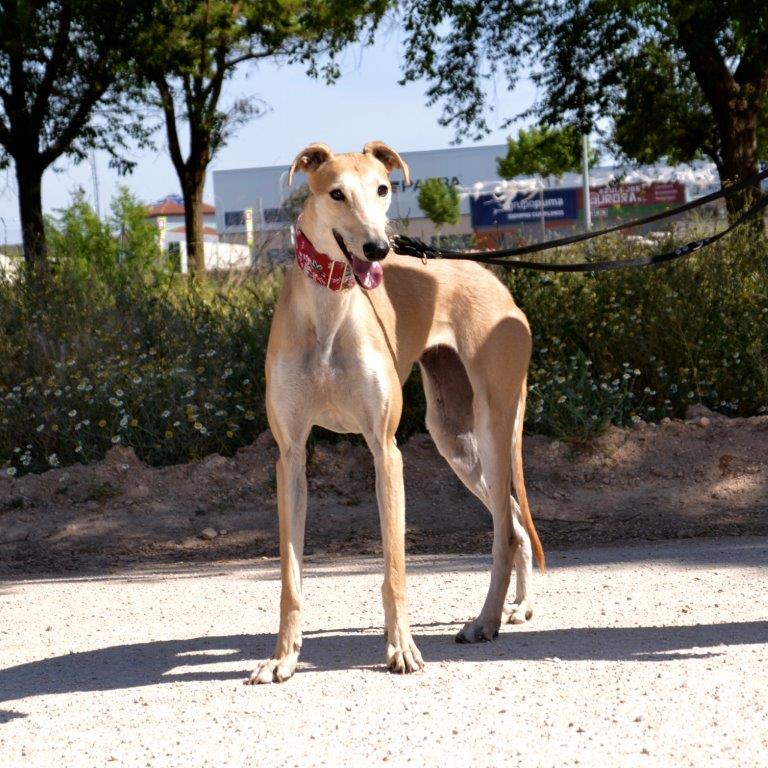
pixel 183 230
pixel 173 205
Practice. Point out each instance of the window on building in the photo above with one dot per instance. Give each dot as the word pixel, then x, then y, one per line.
pixel 275 215
pixel 234 218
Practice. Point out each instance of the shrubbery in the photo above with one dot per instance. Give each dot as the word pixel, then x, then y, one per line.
pixel 118 349
pixel 646 343
pixel 122 351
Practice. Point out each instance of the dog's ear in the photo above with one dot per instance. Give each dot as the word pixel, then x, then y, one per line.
pixel 388 157
pixel 310 159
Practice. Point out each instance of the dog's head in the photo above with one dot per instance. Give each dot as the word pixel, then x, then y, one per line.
pixel 351 194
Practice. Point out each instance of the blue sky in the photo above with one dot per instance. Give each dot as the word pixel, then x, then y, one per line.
pixel 366 103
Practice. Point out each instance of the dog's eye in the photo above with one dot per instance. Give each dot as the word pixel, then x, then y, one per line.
pixel 337 194
pixel 383 189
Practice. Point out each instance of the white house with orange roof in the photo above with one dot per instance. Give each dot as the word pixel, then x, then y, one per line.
pixel 168 214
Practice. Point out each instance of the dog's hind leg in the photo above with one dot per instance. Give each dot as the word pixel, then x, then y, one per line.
pixel 496 479
pixel 477 445
pixel 526 538
pixel 519 610
pixel 292 512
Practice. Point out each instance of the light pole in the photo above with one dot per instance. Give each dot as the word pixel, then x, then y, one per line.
pixel 585 175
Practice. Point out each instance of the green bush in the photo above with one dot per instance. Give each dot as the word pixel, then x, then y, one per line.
pixel 637 344
pixel 116 349
pixel 120 350
pixel 175 374
pixel 123 247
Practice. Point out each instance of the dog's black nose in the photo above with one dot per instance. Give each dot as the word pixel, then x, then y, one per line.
pixel 376 250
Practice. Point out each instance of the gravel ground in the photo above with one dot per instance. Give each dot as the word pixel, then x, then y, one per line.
pixel 646 655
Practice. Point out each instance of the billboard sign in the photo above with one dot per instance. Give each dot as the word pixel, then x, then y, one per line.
pixel 622 196
pixel 162 224
pixel 558 205
pixel 248 226
pixel 633 195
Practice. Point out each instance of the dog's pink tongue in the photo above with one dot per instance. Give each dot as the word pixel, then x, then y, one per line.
pixel 368 273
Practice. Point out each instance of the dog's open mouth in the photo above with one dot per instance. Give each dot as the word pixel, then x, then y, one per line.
pixel 368 274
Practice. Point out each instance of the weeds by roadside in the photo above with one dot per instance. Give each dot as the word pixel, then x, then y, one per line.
pixel 120 350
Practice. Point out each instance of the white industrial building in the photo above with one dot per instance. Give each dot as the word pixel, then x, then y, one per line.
pixel 250 201
pixel 262 191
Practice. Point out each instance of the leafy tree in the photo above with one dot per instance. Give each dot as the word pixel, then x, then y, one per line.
pixel 679 78
pixel 121 248
pixel 294 203
pixel 194 46
pixel 136 236
pixel 543 152
pixel 440 201
pixel 63 83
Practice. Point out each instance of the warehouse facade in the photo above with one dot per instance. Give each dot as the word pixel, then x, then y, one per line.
pixel 255 206
pixel 261 193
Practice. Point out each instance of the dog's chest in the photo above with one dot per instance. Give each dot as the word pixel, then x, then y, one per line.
pixel 343 387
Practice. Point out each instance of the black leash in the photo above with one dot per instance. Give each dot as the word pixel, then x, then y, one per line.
pixel 409 246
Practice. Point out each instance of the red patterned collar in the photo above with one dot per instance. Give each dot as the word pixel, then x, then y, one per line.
pixel 335 275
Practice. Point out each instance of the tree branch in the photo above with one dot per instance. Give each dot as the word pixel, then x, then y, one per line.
pixel 169 108
pixel 52 65
pixel 99 82
pixel 253 55
pixel 707 63
pixel 753 67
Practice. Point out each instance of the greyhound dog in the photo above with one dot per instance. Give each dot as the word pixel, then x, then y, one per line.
pixel 351 321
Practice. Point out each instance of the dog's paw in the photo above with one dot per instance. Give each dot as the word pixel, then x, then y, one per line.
pixel 518 613
pixel 404 657
pixel 274 670
pixel 478 631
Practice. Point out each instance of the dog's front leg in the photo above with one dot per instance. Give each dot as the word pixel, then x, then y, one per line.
pixel 292 511
pixel 402 654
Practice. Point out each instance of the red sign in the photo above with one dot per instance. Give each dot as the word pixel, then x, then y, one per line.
pixel 630 195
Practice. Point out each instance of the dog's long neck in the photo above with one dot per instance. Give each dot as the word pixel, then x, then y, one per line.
pixel 327 310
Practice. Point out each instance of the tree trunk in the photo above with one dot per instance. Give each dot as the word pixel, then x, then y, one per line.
pixel 29 178
pixel 739 148
pixel 193 222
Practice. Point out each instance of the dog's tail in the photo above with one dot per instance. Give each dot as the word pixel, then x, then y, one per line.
pixel 518 478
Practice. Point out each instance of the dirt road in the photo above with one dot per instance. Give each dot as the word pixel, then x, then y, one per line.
pixel 646 655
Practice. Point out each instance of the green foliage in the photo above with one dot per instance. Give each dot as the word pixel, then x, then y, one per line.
pixel 440 201
pixel 679 78
pixel 67 87
pixel 294 203
pixel 659 82
pixel 646 343
pixel 58 61
pixel 95 358
pixel 192 47
pixel 176 373
pixel 543 151
pixel 123 248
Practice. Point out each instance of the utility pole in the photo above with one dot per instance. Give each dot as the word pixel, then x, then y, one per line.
pixel 95 178
pixel 585 175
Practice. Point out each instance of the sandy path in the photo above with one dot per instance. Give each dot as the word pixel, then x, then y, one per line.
pixel 646 655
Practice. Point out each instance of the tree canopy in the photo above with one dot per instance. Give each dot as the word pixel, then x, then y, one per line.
pixel 440 201
pixel 192 48
pixel 64 74
pixel 676 79
pixel 543 151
